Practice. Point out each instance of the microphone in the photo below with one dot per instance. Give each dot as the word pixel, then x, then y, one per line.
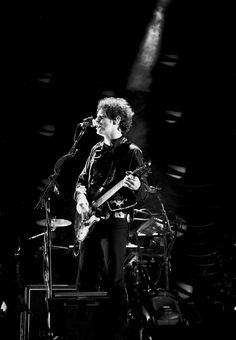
pixel 86 122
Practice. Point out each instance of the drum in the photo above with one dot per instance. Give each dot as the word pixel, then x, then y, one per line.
pixel 150 245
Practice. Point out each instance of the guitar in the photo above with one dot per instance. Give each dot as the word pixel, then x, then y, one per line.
pixel 85 224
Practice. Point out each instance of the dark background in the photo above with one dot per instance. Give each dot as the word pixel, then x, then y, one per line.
pixel 57 60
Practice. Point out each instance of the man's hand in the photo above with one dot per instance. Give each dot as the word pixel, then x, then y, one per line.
pixel 132 182
pixel 82 205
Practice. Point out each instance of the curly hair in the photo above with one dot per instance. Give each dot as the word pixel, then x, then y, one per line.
pixel 114 107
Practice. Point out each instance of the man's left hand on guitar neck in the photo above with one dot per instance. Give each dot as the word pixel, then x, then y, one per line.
pixel 132 182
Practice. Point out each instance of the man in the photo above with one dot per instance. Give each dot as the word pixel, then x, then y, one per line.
pixel 111 183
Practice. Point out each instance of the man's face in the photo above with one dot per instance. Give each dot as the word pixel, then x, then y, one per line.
pixel 104 125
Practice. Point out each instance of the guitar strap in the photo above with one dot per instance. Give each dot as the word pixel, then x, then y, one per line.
pixel 117 152
pixel 112 170
pixel 110 177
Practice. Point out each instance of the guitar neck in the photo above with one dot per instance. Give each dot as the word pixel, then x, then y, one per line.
pixel 108 194
pixel 138 172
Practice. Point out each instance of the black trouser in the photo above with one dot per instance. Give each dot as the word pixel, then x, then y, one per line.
pixel 105 246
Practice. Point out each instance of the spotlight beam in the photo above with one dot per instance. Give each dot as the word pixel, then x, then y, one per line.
pixel 140 76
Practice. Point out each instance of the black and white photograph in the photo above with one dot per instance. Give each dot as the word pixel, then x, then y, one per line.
pixel 117 175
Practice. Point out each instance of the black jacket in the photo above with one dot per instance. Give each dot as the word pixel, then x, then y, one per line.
pixel 105 169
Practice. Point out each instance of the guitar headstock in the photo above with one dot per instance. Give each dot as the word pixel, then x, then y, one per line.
pixel 143 170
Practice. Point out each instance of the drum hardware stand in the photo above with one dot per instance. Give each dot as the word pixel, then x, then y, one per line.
pixel 167 245
pixel 145 282
pixel 44 203
pixel 35 236
pixel 167 250
pixel 167 229
pixel 150 302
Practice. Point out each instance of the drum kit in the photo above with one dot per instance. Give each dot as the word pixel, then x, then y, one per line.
pixel 147 269
pixel 149 247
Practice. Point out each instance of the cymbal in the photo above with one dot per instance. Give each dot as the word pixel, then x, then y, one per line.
pixel 131 245
pixel 148 253
pixel 55 223
pixel 151 226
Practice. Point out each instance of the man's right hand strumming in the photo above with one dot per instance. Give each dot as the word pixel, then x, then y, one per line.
pixel 82 205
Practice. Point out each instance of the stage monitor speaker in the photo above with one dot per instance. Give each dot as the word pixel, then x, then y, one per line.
pixel 73 315
pixel 33 318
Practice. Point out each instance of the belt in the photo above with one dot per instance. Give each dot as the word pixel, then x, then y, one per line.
pixel 121 214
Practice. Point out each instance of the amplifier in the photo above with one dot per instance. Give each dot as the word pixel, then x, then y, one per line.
pixel 73 315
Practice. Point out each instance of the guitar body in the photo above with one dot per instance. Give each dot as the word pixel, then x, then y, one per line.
pixel 85 225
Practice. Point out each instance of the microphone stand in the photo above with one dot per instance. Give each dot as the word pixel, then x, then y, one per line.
pixel 44 203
